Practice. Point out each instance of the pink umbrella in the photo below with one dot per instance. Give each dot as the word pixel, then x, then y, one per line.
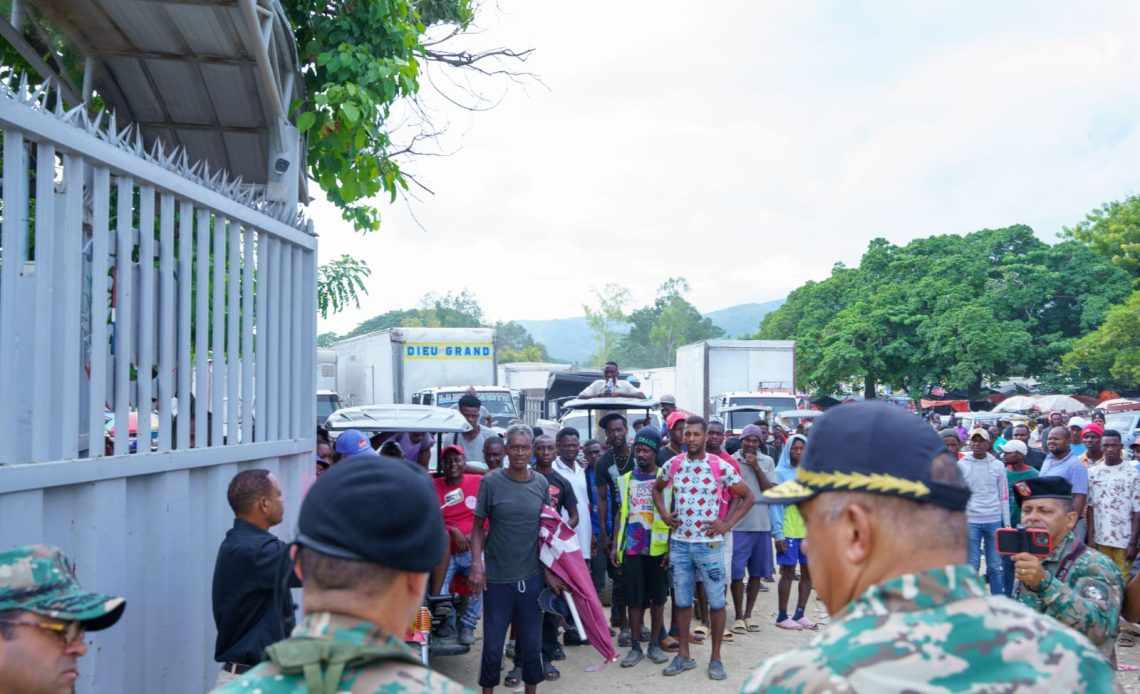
pixel 559 550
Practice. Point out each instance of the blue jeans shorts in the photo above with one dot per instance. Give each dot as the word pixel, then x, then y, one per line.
pixel 692 560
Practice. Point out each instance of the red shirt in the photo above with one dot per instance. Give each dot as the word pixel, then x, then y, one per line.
pixel 462 515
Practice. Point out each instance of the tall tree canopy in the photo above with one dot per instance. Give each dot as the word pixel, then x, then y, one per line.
pixel 659 328
pixel 950 310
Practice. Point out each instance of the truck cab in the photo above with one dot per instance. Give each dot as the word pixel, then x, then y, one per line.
pixel 499 401
pixel 327 402
pixel 772 400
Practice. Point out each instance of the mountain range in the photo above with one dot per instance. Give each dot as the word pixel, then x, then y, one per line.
pixel 570 339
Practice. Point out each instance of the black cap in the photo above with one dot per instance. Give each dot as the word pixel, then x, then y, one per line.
pixel 648 436
pixel 379 510
pixel 875 448
pixel 1049 487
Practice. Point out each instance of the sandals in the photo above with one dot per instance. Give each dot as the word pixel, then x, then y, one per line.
pixel 807 623
pixel 751 626
pixel 700 634
pixel 728 637
pixel 513 677
pixel 740 627
pixel 670 644
pixel 790 625
pixel 1126 640
pixel 550 672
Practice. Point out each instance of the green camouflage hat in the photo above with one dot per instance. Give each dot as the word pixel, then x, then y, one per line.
pixel 40 579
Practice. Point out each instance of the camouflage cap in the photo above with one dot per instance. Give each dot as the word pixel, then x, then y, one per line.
pixel 40 579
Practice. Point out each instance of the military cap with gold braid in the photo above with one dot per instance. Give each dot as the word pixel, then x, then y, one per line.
pixel 871 447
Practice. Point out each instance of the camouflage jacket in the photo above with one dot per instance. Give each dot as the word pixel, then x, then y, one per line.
pixel 398 674
pixel 1088 600
pixel 937 631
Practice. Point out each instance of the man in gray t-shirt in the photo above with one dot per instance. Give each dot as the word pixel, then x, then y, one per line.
pixel 505 563
pixel 752 536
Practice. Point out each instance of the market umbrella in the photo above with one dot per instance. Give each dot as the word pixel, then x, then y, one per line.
pixel 1059 403
pixel 559 550
pixel 1016 403
pixel 1117 404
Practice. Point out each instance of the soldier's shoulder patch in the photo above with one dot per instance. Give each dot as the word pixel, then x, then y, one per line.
pixel 1095 591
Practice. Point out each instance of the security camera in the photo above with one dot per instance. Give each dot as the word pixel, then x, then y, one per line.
pixel 281 165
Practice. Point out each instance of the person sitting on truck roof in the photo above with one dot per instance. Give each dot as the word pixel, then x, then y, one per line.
pixel 609 386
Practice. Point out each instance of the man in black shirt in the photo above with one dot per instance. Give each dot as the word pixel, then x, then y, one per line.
pixel 252 604
pixel 675 425
pixel 616 461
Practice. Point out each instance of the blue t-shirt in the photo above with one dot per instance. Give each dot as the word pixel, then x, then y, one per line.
pixel 1070 468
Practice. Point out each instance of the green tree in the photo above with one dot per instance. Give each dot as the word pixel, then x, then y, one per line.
pixel 1113 231
pixel 1110 355
pixel 327 339
pixel 339 283
pixel 606 319
pixel 514 343
pixel 658 329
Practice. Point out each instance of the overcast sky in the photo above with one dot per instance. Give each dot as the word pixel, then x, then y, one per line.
pixel 749 146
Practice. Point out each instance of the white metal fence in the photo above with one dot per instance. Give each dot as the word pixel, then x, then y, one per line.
pixel 131 281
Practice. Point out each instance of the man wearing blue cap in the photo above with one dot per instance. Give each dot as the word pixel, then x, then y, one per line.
pixel 365 575
pixel 887 536
pixel 352 444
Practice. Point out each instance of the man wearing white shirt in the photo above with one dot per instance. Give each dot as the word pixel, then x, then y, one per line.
pixel 609 386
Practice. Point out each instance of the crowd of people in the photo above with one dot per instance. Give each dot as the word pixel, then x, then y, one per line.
pixel 885 518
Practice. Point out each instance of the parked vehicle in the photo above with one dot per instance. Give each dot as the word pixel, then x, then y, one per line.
pixel 499 402
pixel 737 417
pixel 790 419
pixel 327 403
pixel 583 415
pixel 371 419
pixel 389 366
pixel 1127 423
pixel 971 420
pixel 763 370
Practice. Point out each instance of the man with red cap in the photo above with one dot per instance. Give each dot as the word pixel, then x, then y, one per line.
pixel 675 427
pixel 458 521
pixel 1090 437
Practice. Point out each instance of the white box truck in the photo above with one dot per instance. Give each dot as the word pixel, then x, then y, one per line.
pixel 389 366
pixel 528 375
pixel 763 368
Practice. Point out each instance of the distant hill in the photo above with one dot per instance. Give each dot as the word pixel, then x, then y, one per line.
pixel 569 339
pixel 742 320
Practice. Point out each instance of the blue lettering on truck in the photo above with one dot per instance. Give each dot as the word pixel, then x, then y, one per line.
pixel 433 350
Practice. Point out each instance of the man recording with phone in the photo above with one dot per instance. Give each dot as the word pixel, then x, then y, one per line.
pixel 1078 587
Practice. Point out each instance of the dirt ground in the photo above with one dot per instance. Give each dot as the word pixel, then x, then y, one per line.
pixel 740 657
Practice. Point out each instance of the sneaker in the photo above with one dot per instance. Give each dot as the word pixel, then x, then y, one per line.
pixel 466 636
pixel 445 631
pixel 678 666
pixel 625 638
pixel 556 653
pixel 716 670
pixel 657 655
pixel 635 656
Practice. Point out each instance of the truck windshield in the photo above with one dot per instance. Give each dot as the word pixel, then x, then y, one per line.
pixel 742 418
pixel 495 402
pixel 776 402
pixel 326 405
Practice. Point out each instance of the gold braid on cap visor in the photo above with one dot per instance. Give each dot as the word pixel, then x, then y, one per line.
pixel 854 481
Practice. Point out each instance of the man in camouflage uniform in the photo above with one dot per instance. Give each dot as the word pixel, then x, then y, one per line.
pixel 1077 586
pixel 365 574
pixel 43 617
pixel 886 542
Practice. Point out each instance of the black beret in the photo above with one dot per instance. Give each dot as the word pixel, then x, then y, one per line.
pixel 1050 487
pixel 380 510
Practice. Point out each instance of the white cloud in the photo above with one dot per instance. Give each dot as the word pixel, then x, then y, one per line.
pixel 750 148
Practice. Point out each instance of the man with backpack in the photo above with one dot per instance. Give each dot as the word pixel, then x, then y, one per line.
pixel 700 516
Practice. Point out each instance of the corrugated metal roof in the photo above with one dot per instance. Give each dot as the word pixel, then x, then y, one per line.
pixel 186 72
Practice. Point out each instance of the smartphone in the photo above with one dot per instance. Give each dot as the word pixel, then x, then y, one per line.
pixel 1018 540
